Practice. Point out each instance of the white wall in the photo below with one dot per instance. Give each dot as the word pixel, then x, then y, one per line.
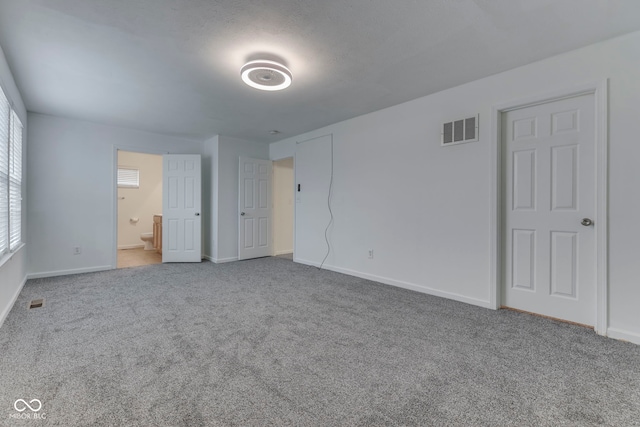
pixel 13 269
pixel 226 196
pixel 71 190
pixel 283 206
pixel 426 210
pixel 139 203
pixel 313 217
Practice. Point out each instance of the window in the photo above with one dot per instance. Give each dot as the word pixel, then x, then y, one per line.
pixel 128 178
pixel 10 177
pixel 15 182
pixel 4 173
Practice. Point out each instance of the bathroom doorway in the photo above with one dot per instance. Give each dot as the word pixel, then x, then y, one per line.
pixel 139 209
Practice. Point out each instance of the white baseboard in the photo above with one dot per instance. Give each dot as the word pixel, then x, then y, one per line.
pixel 285 252
pixel 7 309
pixel 207 257
pixel 621 334
pixel 223 260
pixel 68 272
pixel 131 246
pixel 401 284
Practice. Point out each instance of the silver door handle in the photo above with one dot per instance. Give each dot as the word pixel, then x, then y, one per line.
pixel 586 222
pixel 197 213
pixel 242 214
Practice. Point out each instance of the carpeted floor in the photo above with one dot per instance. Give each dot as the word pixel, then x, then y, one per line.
pixel 272 342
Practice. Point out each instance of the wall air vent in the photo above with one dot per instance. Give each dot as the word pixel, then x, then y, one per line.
pixel 460 131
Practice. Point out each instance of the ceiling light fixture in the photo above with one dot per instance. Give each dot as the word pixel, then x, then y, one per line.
pixel 266 75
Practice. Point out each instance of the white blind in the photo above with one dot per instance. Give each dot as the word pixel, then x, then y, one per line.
pixel 128 178
pixel 15 182
pixel 4 173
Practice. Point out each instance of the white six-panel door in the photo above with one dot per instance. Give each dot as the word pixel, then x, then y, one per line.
pixel 254 208
pixel 181 199
pixel 549 242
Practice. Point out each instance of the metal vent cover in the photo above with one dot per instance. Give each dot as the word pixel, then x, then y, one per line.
pixel 36 303
pixel 460 131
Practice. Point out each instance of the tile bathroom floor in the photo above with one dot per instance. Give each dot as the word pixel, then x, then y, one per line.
pixel 137 257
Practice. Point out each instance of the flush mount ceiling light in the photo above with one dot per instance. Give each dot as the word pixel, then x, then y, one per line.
pixel 266 75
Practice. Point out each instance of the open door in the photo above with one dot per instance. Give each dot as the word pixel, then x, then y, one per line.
pixel 254 208
pixel 181 220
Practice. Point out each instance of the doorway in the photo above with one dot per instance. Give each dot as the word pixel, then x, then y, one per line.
pixel 283 208
pixel 550 212
pixel 139 208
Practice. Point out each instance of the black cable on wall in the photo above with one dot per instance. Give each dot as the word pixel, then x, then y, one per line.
pixel 326 231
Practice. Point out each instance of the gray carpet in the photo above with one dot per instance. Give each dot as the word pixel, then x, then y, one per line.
pixel 271 342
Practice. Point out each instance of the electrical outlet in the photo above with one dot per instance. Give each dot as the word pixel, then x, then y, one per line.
pixel 77 250
pixel 370 253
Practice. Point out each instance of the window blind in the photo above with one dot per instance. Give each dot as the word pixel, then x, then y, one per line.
pixel 15 182
pixel 128 178
pixel 4 172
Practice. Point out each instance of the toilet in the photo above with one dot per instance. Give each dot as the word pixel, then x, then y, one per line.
pixel 147 238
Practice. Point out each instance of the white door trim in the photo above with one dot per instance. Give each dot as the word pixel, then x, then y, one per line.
pixel 600 91
pixel 273 211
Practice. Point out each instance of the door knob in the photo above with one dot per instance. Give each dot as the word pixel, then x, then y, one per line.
pixel 586 222
pixel 197 213
pixel 242 214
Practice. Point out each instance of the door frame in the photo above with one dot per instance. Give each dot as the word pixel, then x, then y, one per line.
pixel 599 89
pixel 114 194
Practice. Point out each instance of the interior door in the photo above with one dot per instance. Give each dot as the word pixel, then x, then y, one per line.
pixel 254 208
pixel 181 202
pixel 549 239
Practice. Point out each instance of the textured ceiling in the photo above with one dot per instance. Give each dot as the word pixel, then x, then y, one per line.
pixel 172 66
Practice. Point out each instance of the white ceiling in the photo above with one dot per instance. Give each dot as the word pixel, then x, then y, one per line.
pixel 172 66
